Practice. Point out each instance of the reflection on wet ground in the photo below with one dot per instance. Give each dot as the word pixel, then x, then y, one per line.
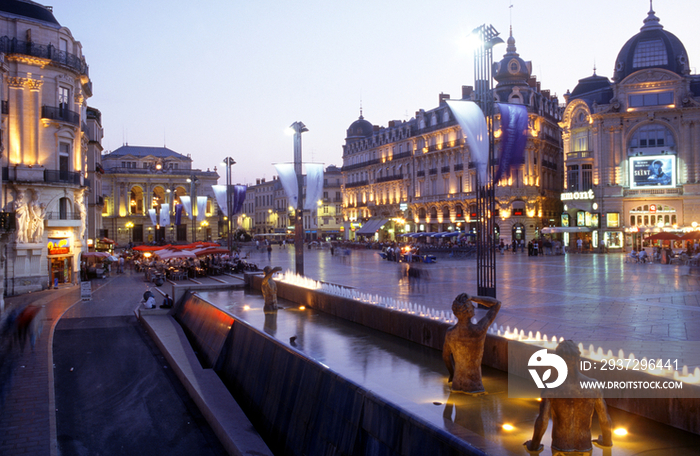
pixel 415 378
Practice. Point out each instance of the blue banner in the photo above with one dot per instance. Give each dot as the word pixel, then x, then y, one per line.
pixel 239 192
pixel 178 214
pixel 513 137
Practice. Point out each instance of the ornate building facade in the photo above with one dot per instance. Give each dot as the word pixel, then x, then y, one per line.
pixel 418 175
pixel 138 179
pixel 45 89
pixel 631 144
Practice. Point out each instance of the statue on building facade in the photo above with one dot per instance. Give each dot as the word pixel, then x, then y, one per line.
pixel 80 205
pixel 37 213
pixel 269 288
pixel 21 216
pixel 464 342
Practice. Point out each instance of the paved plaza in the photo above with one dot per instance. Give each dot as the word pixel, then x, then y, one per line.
pixel 582 297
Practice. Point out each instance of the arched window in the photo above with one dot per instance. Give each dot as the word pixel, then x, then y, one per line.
pixel 652 135
pixel 63 205
pixel 433 212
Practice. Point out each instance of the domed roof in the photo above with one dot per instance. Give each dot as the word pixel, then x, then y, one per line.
pixel 512 69
pixel 29 10
pixel 652 47
pixel 359 129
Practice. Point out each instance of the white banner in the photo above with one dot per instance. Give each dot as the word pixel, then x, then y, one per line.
pixel 288 178
pixel 152 214
pixel 314 185
pixel 201 208
pixel 220 195
pixel 187 204
pixel 165 214
pixel 473 123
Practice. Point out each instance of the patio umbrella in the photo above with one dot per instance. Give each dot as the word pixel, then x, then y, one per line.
pixel 663 236
pixel 168 254
pixel 211 251
pixel 95 255
pixel 690 235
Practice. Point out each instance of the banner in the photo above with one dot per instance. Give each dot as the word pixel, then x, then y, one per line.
pixel 239 192
pixel 288 179
pixel 187 205
pixel 152 215
pixel 653 171
pixel 220 195
pixel 165 214
pixel 513 137
pixel 178 214
pixel 201 208
pixel 314 185
pixel 473 123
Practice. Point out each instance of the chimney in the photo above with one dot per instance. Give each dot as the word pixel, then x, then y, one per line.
pixel 467 92
pixel 545 93
pixel 532 82
pixel 257 181
pixel 442 97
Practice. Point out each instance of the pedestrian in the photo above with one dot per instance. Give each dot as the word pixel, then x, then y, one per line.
pixel 515 246
pixel 269 252
pixel 121 264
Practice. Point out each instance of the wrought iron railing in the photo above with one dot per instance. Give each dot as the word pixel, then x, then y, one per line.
pixel 14 46
pixel 63 215
pixel 66 115
pixel 68 177
pixel 390 178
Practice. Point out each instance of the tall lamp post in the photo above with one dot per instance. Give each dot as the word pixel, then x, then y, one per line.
pixel 299 128
pixel 193 202
pixel 129 226
pixel 228 161
pixel 485 194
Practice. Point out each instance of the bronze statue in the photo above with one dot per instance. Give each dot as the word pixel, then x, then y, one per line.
pixel 269 289
pixel 571 409
pixel 464 342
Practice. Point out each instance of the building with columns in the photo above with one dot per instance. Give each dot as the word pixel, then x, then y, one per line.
pixel 418 175
pixel 45 89
pixel 138 179
pixel 632 144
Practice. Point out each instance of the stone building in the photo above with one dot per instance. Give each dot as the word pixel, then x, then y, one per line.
pixel 631 143
pixel 418 175
pixel 138 179
pixel 45 89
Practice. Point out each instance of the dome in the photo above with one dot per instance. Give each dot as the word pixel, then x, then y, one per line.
pixel 591 84
pixel 512 69
pixel 652 47
pixel 359 129
pixel 28 10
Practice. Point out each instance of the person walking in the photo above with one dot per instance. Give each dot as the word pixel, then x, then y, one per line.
pixel 269 252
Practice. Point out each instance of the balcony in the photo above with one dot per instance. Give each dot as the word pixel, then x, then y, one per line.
pixel 66 177
pixel 357 184
pixel 432 172
pixel 5 107
pixel 459 167
pixel 14 46
pixel 445 169
pixel 420 173
pixel 63 114
pixel 63 215
pixel 390 178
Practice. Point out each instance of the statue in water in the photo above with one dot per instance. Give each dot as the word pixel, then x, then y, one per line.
pixel 464 342
pixel 571 409
pixel 269 288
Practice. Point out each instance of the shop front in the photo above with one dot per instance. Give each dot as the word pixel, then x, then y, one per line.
pixel 60 260
pixel 581 213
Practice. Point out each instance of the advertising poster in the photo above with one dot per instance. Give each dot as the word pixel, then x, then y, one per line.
pixel 59 246
pixel 657 171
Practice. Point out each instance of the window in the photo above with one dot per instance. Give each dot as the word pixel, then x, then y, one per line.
pixel 586 177
pixel 649 53
pixel 652 135
pixel 63 99
pixel 572 178
pixel 650 99
pixel 63 205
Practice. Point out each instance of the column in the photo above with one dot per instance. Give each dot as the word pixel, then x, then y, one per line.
pixel 16 126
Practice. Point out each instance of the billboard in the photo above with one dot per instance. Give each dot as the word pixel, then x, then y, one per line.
pixel 656 171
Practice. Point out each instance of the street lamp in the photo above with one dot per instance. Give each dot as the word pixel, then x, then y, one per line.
pixel 129 226
pixel 299 128
pixel 486 38
pixel 228 161
pixel 193 203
